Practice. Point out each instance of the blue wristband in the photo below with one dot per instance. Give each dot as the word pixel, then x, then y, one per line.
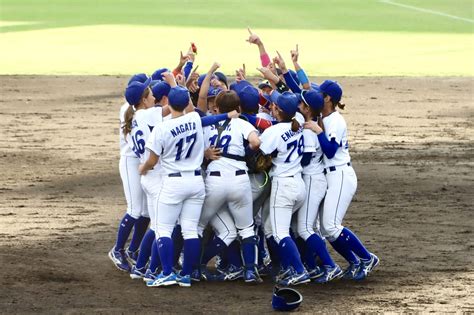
pixel 302 76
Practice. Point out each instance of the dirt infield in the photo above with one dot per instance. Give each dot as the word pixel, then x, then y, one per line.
pixel 61 199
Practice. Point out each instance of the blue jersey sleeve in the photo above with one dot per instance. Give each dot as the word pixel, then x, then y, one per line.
pixel 291 83
pixel 329 147
pixel 211 120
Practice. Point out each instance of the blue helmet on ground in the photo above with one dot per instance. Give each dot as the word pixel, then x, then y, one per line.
pixel 286 299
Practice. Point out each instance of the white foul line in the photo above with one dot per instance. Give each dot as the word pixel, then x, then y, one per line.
pixel 427 11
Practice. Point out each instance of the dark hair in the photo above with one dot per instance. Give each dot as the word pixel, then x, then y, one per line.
pixel 334 103
pixel 228 101
pixel 295 125
pixel 127 126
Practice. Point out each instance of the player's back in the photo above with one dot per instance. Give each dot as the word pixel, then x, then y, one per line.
pixel 335 127
pixel 144 120
pixel 180 143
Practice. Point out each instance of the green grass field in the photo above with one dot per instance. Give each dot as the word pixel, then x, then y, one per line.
pixel 342 37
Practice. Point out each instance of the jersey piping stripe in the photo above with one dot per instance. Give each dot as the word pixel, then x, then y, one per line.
pixel 157 235
pixel 339 198
pixel 274 214
pixel 228 231
pixel 307 205
pixel 128 184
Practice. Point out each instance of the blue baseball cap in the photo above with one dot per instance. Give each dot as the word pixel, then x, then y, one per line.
pixel 139 77
pixel 201 79
pixel 134 91
pixel 287 101
pixel 312 98
pixel 213 92
pixel 178 97
pixel 249 98
pixel 333 89
pixel 157 74
pixel 221 77
pixel 160 89
pixel 239 86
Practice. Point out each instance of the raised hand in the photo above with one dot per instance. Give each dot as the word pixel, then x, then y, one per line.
pixel 169 78
pixel 214 67
pixel 312 125
pixel 253 38
pixel 294 54
pixel 278 60
pixel 180 80
pixel 240 74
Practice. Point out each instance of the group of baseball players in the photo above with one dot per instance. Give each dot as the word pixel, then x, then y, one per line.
pixel 256 179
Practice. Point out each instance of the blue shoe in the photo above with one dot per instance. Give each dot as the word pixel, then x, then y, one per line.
pixel 252 276
pixel 119 258
pixel 162 280
pixel 330 273
pixel 366 267
pixel 206 275
pixel 285 276
pixel 150 275
pixel 263 270
pixel 196 275
pixel 234 273
pixel 351 271
pixel 315 273
pixel 300 278
pixel 183 281
pixel 136 273
pixel 132 256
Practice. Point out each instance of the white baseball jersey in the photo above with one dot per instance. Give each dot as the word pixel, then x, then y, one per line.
pixel 179 142
pixel 124 148
pixel 311 145
pixel 335 127
pixel 231 142
pixel 288 145
pixel 144 120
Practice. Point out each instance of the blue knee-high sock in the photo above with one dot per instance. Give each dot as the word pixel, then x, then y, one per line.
pixel 192 250
pixel 249 252
pixel 233 254
pixel 124 230
pixel 307 257
pixel 354 244
pixel 274 252
pixel 317 246
pixel 288 248
pixel 345 252
pixel 138 232
pixel 214 247
pixel 155 257
pixel 165 249
pixel 178 240
pixel 261 245
pixel 145 249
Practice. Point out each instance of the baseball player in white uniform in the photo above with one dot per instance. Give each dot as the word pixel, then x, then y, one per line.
pixel 136 216
pixel 342 185
pixel 285 141
pixel 228 186
pixel 313 175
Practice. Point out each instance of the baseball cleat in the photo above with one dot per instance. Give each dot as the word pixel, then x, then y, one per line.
pixel 299 278
pixel 132 257
pixel 196 275
pixel 330 273
pixel 150 275
pixel 119 259
pixel 315 273
pixel 284 274
pixel 351 271
pixel 263 270
pixel 162 280
pixel 252 276
pixel 366 267
pixel 234 273
pixel 137 273
pixel 183 281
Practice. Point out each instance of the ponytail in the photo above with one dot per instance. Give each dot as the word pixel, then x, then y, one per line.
pixel 295 125
pixel 340 105
pixel 127 126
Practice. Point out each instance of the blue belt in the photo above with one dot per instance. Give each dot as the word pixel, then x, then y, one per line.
pixel 178 174
pixel 237 173
pixel 333 168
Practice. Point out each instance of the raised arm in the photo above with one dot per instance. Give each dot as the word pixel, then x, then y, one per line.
pixel 202 101
pixel 299 71
pixel 290 82
pixel 254 39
